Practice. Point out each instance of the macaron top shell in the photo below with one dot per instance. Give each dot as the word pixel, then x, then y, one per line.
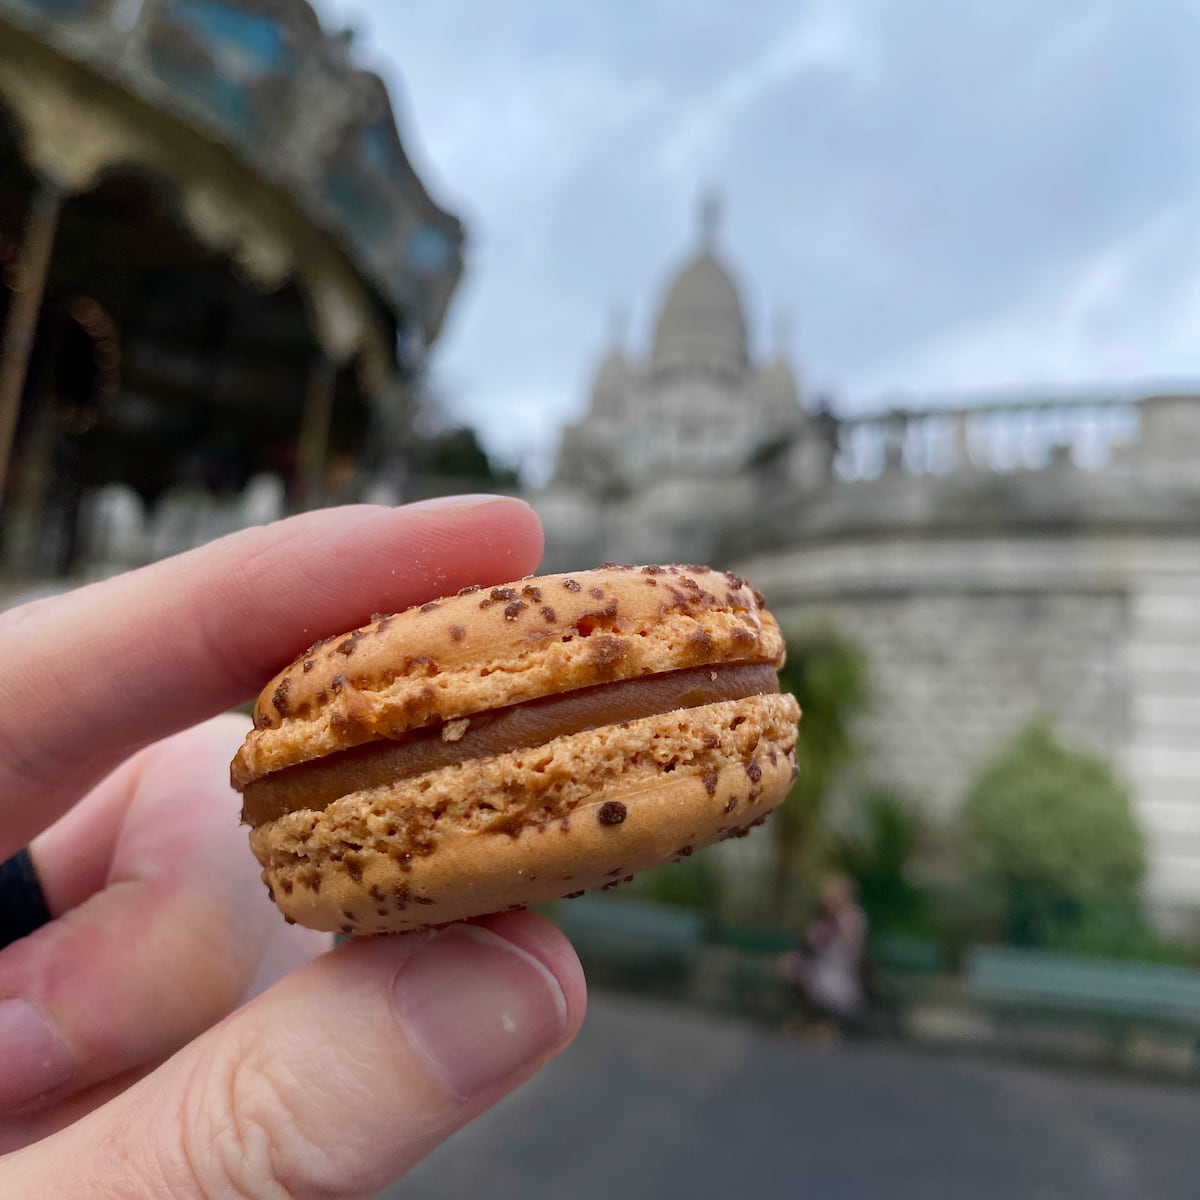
pixel 490 647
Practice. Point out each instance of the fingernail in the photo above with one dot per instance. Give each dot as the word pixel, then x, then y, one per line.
pixel 36 1060
pixel 479 1008
pixel 472 501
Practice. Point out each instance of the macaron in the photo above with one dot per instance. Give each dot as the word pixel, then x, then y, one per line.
pixel 516 744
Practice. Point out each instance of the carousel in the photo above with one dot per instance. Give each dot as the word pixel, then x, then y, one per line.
pixel 219 274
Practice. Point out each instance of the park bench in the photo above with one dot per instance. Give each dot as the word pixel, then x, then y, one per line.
pixel 635 943
pixel 898 967
pixel 900 972
pixel 1118 997
pixel 752 985
pixel 902 954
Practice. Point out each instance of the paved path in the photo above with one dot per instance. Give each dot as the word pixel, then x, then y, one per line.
pixel 652 1103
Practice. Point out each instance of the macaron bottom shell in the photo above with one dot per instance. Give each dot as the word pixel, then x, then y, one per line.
pixel 585 811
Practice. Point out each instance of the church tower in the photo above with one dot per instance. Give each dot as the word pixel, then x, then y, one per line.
pixel 699 406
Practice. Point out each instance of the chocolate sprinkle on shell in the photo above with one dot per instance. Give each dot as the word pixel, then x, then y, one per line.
pixel 348 647
pixel 612 812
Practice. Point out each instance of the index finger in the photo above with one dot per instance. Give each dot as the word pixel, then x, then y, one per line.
pixel 93 675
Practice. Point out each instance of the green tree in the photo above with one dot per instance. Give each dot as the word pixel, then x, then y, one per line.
pixel 692 883
pixel 457 454
pixel 419 430
pixel 1051 836
pixel 877 855
pixel 828 677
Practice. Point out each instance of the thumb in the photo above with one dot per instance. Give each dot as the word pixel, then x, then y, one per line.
pixel 335 1081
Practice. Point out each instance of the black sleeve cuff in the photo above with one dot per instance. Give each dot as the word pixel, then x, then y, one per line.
pixel 22 902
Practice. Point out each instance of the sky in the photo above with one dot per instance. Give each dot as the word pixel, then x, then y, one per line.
pixel 924 202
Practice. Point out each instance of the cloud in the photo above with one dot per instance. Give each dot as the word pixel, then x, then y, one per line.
pixel 822 38
pixel 1126 317
pixel 947 196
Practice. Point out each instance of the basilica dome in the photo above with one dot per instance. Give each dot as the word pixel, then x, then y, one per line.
pixel 701 324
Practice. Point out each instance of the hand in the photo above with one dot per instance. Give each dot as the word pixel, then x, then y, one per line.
pixel 142 1051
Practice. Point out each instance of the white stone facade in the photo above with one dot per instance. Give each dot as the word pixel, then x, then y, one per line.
pixel 697 407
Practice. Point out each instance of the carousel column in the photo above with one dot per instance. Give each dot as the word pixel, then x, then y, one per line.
pixel 37 247
pixel 314 430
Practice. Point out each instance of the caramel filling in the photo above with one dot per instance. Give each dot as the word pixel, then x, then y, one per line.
pixel 317 784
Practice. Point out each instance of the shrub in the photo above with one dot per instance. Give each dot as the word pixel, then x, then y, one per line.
pixel 877 854
pixel 1051 834
pixel 692 883
pixel 827 675
pixel 1116 927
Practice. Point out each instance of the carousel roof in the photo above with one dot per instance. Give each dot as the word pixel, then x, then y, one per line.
pixel 262 81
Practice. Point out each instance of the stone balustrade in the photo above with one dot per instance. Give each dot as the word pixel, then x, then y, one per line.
pixel 1003 437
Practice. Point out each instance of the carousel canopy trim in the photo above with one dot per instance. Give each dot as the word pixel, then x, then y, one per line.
pixel 262 79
